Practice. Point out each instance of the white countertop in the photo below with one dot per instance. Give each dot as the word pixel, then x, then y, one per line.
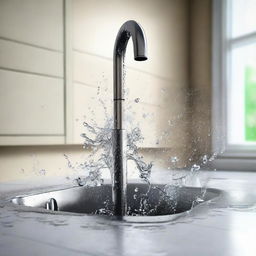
pixel 205 231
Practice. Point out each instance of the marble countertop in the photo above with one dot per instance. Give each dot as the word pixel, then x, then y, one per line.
pixel 206 230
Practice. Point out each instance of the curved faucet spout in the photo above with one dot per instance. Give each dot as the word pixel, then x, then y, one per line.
pixel 129 29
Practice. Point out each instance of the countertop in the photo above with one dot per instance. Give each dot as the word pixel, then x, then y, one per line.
pixel 206 230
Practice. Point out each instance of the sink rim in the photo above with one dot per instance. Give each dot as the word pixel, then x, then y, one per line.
pixel 133 219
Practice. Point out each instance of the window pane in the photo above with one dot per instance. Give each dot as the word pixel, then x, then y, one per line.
pixel 243 17
pixel 250 103
pixel 242 96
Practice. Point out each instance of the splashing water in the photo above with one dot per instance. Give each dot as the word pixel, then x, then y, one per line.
pixel 137 100
pixel 99 140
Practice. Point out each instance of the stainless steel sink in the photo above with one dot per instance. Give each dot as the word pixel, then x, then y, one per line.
pixel 142 200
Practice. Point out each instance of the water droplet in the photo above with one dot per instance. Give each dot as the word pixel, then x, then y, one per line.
pixel 199 200
pixel 42 172
pixel 213 156
pixel 144 115
pixel 98 90
pixel 195 167
pixel 163 90
pixel 205 159
pixel 174 159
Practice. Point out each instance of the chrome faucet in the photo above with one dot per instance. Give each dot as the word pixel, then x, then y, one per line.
pixel 129 29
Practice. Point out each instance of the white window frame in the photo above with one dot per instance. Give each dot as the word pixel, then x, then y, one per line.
pixel 229 157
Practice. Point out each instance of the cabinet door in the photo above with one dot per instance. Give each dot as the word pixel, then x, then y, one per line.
pixel 31 72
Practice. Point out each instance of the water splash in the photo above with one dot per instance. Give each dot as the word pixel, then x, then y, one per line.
pixel 137 100
pixel 99 141
pixel 144 169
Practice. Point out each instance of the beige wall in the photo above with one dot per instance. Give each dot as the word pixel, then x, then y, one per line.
pixel 178 33
pixel 25 162
pixel 200 76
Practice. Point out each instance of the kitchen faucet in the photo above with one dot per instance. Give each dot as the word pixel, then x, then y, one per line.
pixel 129 29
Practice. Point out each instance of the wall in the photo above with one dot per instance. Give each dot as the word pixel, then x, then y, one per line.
pixel 25 162
pixel 200 77
pixel 162 83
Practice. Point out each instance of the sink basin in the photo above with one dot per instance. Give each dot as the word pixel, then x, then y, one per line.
pixel 142 200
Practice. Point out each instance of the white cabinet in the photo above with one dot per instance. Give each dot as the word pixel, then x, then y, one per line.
pixel 30 104
pixel 31 72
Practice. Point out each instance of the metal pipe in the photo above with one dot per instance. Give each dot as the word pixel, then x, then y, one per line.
pixel 129 29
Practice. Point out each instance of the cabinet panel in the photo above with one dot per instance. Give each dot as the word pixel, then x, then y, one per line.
pixel 26 58
pixel 32 140
pixel 92 70
pixel 34 22
pixel 30 104
pixel 32 72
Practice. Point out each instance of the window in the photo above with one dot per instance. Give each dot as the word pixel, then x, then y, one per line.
pixel 234 79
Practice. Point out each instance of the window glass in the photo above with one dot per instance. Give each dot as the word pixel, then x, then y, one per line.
pixel 250 102
pixel 242 96
pixel 243 17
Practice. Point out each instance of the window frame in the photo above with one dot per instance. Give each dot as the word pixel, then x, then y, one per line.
pixel 229 157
